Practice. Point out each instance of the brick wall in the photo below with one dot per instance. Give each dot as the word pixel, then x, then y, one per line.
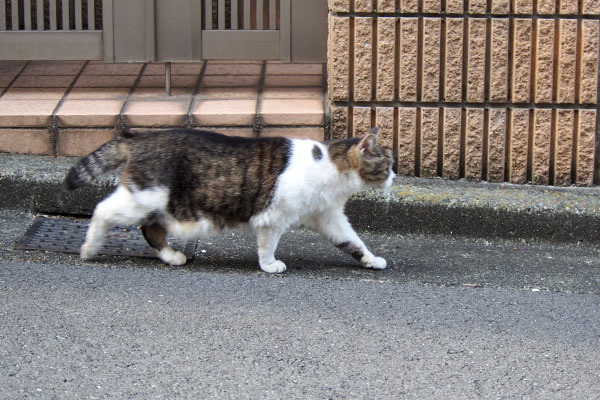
pixel 499 90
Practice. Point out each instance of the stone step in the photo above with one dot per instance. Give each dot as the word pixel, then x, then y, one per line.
pixel 68 108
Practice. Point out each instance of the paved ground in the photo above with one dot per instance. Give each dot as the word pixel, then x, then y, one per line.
pixel 451 318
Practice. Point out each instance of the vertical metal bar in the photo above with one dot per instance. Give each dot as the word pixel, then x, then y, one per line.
pixel 91 15
pixel 208 15
pixel 285 44
pixel 272 15
pixel 78 15
pixel 168 78
pixel 260 15
pixel 247 14
pixel 53 15
pixel 27 14
pixel 40 15
pixel 2 15
pixel 65 15
pixel 15 15
pixel 234 14
pixel 221 14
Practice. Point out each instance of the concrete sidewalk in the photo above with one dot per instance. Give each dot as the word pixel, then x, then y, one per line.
pixel 413 205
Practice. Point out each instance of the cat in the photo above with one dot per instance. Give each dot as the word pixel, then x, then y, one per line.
pixel 193 183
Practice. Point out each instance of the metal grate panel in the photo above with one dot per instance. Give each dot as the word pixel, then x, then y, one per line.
pixel 66 235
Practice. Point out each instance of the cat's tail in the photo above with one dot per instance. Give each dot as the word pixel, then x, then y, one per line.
pixel 105 158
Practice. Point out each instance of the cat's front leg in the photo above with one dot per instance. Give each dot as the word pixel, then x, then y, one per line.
pixel 267 240
pixel 335 227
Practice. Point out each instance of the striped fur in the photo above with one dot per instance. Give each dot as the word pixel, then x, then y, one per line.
pixel 194 183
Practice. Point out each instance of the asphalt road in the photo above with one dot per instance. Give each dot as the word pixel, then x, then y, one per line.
pixel 451 318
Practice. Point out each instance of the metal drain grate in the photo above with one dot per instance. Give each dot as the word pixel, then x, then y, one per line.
pixel 66 235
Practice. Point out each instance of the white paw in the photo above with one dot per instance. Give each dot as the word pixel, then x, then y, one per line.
pixel 172 257
pixel 88 251
pixel 375 263
pixel 276 267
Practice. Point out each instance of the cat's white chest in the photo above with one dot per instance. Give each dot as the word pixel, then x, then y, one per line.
pixel 308 186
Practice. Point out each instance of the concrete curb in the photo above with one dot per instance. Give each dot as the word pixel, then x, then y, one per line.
pixel 413 205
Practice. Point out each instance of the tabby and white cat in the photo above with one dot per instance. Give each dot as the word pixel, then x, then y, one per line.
pixel 192 183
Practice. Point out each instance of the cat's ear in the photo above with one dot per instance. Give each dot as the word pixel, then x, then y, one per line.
pixel 373 131
pixel 367 143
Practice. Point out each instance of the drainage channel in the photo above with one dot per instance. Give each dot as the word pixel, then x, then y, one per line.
pixel 66 235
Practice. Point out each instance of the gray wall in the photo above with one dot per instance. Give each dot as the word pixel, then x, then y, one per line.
pixel 149 30
pixel 309 30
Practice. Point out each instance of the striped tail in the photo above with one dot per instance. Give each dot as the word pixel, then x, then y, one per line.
pixel 106 158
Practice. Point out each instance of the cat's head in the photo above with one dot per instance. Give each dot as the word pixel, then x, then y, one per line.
pixel 374 162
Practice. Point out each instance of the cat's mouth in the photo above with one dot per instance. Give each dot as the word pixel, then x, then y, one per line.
pixel 387 183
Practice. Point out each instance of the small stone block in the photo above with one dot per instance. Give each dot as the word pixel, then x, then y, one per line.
pixel 363 56
pixel 499 60
pixel 518 146
pixel 313 133
pixel 429 141
pixel 430 89
pixel 523 7
pixel 361 120
pixel 339 122
pixel 386 47
pixel 521 60
pixel 477 6
pixel 545 61
pixel 291 111
pixel 451 132
pixel 89 113
pixel 386 6
pixel 567 61
pixel 409 6
pixel 384 120
pixel 431 6
pixel 588 89
pixel 339 5
pixel 542 136
pixel 476 60
pixel 546 6
pixel 80 142
pixel 408 59
pixel 500 6
pixel 26 113
pixel 591 7
pixel 339 56
pixel 455 6
pixel 568 6
pixel 363 5
pixel 564 147
pixel 454 60
pixel 474 144
pixel 496 145
pixel 407 127
pixel 585 151
pixel 26 141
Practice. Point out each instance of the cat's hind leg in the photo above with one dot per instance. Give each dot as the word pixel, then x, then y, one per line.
pixel 156 236
pixel 118 208
pixel 267 239
pixel 335 227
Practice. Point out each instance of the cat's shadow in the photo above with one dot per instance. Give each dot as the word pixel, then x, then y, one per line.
pixel 299 249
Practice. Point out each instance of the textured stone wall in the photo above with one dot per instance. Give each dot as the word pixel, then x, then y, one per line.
pixel 496 90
